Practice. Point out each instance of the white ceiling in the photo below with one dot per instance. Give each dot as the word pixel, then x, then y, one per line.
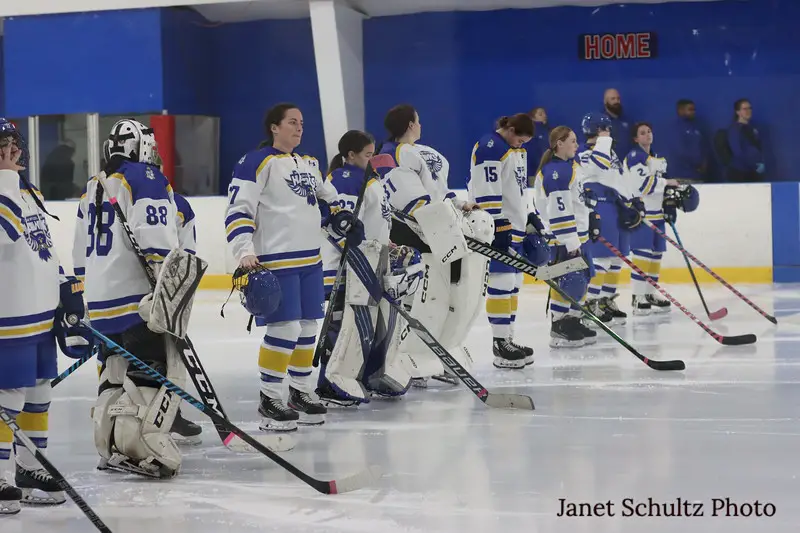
pixel 271 9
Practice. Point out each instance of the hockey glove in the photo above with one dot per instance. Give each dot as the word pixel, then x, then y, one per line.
pixel 670 204
pixel 594 226
pixel 75 340
pixel 589 198
pixel 630 212
pixel 324 213
pixel 345 225
pixel 534 224
pixel 502 234
pixel 536 249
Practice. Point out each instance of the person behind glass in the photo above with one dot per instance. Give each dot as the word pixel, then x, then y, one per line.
pixel 644 171
pixel 685 146
pixel 276 202
pixel 620 125
pixel 566 213
pixel 540 141
pixel 747 156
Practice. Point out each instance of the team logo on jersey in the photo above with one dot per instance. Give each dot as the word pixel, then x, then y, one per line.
pixel 149 173
pixel 386 210
pixel 303 184
pixel 346 174
pixel 37 235
pixel 490 143
pixel 522 179
pixel 434 162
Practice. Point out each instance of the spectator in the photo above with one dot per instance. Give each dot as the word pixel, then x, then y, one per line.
pixel 620 126
pixel 58 172
pixel 746 152
pixel 685 146
pixel 540 141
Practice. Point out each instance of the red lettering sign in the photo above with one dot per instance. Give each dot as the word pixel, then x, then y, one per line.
pixel 610 46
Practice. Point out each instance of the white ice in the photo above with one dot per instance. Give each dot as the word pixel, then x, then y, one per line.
pixel 606 427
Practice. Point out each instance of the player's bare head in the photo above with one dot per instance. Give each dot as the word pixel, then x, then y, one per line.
pixel 402 123
pixel 686 108
pixel 284 125
pixel 642 133
pixel 356 148
pixel 539 114
pixel 516 129
pixel 563 142
pixel 743 109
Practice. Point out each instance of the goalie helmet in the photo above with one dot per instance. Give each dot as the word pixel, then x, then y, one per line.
pixel 259 291
pixel 479 224
pixel 133 140
pixel 10 134
pixel 406 272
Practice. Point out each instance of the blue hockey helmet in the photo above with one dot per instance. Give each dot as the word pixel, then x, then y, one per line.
pixel 690 199
pixel 10 134
pixel 536 249
pixel 574 284
pixel 259 290
pixel 595 122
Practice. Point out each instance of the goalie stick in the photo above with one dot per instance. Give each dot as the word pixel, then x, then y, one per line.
pixel 75 366
pixel 671 365
pixel 59 479
pixel 711 272
pixel 347 484
pixel 361 268
pixel 727 340
pixel 378 161
pixel 189 355
pixel 719 313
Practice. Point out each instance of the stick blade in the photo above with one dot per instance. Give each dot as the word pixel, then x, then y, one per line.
pixel 718 314
pixel 276 443
pixel 675 365
pixel 353 482
pixel 738 340
pixel 509 401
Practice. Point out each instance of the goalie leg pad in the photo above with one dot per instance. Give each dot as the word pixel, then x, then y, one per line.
pixel 346 364
pixel 441 223
pixel 386 372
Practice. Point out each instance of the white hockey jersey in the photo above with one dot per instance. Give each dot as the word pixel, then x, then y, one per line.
pixel 558 194
pixel 102 252
pixel 31 274
pixel 272 209
pixel 187 232
pixel 644 174
pixel 498 182
pixel 411 184
pixel 602 167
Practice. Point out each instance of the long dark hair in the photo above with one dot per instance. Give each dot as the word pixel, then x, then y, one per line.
pixel 274 117
pixel 559 133
pixel 522 123
pixel 397 120
pixel 352 141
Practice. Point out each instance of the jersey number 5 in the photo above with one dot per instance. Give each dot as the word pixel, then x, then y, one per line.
pixel 100 236
pixel 560 202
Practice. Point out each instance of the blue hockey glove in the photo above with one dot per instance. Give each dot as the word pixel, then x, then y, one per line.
pixel 594 226
pixel 630 212
pixel 534 224
pixel 344 224
pixel 324 213
pixel 75 340
pixel 589 198
pixel 502 234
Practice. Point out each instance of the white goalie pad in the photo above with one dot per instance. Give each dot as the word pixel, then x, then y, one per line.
pixel 173 296
pixel 355 291
pixel 393 378
pixel 441 223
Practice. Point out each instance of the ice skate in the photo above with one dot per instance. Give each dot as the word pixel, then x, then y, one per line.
pixel 185 432
pixel 566 333
pixel 506 355
pixel 330 398
pixel 527 350
pixel 311 412
pixel 276 415
pixel 610 304
pixel 641 307
pixel 589 335
pixel 10 497
pixel 38 487
pixel 419 383
pixel 658 304
pixel 597 308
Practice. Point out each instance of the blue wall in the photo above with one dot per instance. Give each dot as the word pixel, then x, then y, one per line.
pixel 2 82
pixel 463 70
pixel 188 65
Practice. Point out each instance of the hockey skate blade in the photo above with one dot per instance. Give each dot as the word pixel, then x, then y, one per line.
pixel 510 401
pixel 548 272
pixel 357 481
pixel 276 443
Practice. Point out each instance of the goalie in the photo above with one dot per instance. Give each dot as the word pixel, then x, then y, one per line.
pixel 133 414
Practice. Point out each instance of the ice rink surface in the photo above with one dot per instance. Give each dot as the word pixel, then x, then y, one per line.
pixel 606 428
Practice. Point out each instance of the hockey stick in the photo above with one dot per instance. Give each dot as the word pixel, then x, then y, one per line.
pixel 75 366
pixel 59 479
pixel 671 365
pixel 719 313
pixel 735 340
pixel 711 273
pixel 361 268
pixel 347 484
pixel 189 355
pixel 378 161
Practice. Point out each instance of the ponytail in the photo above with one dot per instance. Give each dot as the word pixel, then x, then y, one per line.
pixel 547 156
pixel 336 162
pixel 353 141
pixel 559 133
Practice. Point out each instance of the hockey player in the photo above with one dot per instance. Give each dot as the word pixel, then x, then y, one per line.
pixel 498 184
pixel 133 414
pixel 274 215
pixel 618 208
pixel 363 353
pixel 645 171
pixel 187 232
pixel 564 208
pixel 453 287
pixel 36 299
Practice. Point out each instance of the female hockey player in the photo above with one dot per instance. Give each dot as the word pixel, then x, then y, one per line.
pixel 362 355
pixel 498 184
pixel 453 287
pixel 273 220
pixel 619 209
pixel 645 171
pixel 36 299
pixel 563 206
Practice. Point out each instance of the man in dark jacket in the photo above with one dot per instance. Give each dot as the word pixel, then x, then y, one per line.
pixel 685 146
pixel 620 124
pixel 747 154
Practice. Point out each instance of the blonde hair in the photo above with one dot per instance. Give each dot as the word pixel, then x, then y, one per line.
pixel 559 133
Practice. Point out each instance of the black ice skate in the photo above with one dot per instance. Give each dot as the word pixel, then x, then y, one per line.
pixel 10 497
pixel 506 355
pixel 309 409
pixel 658 304
pixel 331 398
pixel 276 415
pixel 641 307
pixel 589 335
pixel 597 308
pixel 527 350
pixel 609 303
pixel 185 432
pixel 38 487
pixel 566 333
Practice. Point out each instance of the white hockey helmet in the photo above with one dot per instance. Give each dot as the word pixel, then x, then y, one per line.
pixel 132 140
pixel 479 224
